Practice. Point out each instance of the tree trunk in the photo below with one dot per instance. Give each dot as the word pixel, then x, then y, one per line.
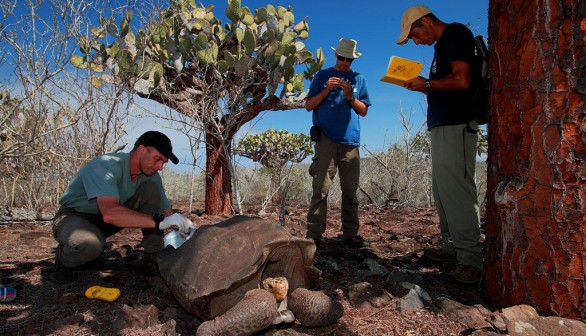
pixel 536 217
pixel 276 181
pixel 218 196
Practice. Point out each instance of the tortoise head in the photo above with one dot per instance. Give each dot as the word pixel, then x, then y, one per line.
pixel 278 286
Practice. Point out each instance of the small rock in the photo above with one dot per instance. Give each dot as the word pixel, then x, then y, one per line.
pixel 499 323
pixel 125 250
pixel 170 313
pixel 140 317
pixel 411 301
pixel 366 295
pixel 519 313
pixel 475 317
pixel 420 291
pixel 169 328
pixel 375 268
pixel 398 276
pixel 550 325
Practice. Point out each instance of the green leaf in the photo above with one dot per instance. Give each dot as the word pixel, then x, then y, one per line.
pixel 97 82
pixel 78 62
pixel 239 34
pixel 288 37
pixel 98 32
pixel 124 28
pixel 125 59
pixel 113 50
pixel 222 66
pixel 157 73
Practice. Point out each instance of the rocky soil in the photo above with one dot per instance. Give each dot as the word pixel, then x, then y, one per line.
pixel 389 288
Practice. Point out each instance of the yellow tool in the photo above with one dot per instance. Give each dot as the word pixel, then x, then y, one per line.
pixel 102 293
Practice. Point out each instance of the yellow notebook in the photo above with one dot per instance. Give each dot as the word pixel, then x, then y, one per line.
pixel 401 70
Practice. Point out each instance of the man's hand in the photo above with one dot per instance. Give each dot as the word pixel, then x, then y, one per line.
pixel 347 87
pixel 176 220
pixel 416 84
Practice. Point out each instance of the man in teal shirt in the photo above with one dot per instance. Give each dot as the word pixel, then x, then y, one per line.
pixel 112 192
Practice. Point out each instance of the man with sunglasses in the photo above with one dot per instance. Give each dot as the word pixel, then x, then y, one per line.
pixel 451 121
pixel 338 98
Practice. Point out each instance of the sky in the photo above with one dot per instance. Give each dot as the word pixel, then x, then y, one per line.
pixel 374 24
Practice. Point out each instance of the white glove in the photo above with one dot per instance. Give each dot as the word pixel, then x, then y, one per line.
pixel 178 221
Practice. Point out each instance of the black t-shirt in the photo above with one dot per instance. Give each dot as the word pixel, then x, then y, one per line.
pixel 450 107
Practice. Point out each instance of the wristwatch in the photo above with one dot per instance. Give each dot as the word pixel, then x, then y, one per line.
pixel 350 100
pixel 158 218
pixel 427 85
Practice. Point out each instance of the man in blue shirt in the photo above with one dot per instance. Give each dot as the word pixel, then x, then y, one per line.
pixel 454 134
pixel 338 98
pixel 112 192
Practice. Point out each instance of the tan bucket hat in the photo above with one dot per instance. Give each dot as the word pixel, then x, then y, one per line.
pixel 347 48
pixel 411 15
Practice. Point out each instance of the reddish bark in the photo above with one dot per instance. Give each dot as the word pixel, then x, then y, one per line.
pixel 536 215
pixel 218 196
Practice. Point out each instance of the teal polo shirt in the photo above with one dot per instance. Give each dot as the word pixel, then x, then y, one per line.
pixel 106 175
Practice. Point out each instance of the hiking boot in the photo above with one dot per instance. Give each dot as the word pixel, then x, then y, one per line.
pixel 147 264
pixel 465 274
pixel 61 274
pixel 440 255
pixel 356 241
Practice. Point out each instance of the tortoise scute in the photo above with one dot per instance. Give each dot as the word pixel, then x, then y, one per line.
pixel 254 312
pixel 314 309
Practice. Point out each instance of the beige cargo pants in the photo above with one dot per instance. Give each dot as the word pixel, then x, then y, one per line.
pixel 453 154
pixel 331 156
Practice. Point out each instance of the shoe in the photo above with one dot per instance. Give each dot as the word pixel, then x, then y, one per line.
pixel 465 274
pixel 356 241
pixel 440 255
pixel 61 274
pixel 147 264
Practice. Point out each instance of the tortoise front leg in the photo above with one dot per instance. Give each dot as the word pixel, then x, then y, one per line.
pixel 253 313
pixel 314 309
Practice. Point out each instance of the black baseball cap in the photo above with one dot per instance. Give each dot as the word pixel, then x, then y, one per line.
pixel 160 142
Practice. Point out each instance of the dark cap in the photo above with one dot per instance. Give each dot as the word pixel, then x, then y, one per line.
pixel 160 142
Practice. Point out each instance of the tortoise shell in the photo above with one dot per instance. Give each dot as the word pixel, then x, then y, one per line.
pixel 213 270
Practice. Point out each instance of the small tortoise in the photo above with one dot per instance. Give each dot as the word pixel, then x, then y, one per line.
pixel 233 274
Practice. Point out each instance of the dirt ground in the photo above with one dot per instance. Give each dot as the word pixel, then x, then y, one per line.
pixel 397 237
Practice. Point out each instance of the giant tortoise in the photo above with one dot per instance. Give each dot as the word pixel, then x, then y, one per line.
pixel 217 275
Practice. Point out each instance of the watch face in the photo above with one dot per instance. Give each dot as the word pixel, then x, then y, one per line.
pixel 158 217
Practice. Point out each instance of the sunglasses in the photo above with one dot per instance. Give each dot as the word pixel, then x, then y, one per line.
pixel 341 58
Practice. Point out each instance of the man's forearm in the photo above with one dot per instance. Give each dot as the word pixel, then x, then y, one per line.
pixel 314 101
pixel 122 216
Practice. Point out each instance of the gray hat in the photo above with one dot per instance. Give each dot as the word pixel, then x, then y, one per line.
pixel 347 48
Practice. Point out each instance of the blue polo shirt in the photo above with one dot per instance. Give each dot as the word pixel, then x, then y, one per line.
pixel 337 119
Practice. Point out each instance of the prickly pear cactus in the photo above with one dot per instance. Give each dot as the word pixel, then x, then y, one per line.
pixel 190 42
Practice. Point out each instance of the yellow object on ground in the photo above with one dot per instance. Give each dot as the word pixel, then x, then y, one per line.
pixel 102 293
